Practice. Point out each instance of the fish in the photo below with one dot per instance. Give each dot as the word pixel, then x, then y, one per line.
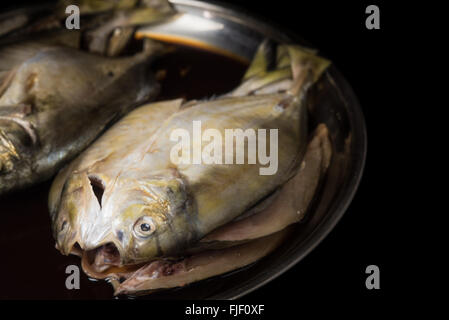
pixel 54 101
pixel 123 202
pixel 234 245
pixel 241 242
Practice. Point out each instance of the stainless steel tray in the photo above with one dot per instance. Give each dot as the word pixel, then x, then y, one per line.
pixel 333 102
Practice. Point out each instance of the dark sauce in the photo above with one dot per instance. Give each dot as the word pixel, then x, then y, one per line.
pixel 196 74
pixel 31 267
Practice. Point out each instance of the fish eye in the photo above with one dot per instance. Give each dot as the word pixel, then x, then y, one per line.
pixel 144 227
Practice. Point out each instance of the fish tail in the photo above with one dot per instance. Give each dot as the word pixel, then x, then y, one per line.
pixel 262 60
pixel 306 66
pixel 280 68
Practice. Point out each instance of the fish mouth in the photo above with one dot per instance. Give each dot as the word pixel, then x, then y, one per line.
pixel 104 262
pixel 107 261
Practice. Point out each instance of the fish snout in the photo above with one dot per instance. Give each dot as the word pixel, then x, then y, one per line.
pixel 102 250
pixel 78 203
pixel 85 220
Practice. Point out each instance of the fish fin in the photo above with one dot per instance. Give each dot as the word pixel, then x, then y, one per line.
pixel 306 66
pixel 280 68
pixel 261 61
pixel 148 12
pixel 188 104
pixel 262 71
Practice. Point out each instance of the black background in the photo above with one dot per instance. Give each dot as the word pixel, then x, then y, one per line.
pixel 336 268
pixel 373 63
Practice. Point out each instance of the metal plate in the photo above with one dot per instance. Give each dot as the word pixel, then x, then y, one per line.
pixel 333 102
pixel 214 27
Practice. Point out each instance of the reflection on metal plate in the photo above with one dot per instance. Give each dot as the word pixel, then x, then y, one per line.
pixel 208 30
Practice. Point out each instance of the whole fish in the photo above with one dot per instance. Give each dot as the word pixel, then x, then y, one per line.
pixel 124 202
pixel 54 101
pixel 234 245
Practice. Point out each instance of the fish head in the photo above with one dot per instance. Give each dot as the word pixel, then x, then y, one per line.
pixel 153 217
pixel 140 219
